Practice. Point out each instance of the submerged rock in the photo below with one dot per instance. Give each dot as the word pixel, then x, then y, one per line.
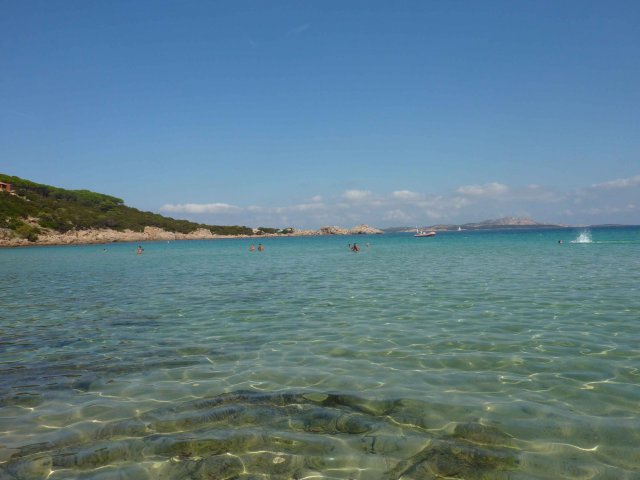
pixel 324 420
pixel 455 459
pixel 482 434
pixel 371 407
pixel 32 468
pixel 98 455
pixel 219 467
pixel 280 435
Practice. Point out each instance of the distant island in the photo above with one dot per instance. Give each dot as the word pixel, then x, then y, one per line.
pixel 499 224
pixel 37 214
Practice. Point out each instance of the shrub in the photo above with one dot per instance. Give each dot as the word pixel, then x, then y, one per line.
pixel 28 232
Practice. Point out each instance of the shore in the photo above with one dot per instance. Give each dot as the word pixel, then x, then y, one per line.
pixel 150 234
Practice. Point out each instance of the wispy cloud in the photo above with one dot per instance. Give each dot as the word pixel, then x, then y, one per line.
pixel 407 195
pixel 299 29
pixel 488 189
pixel 620 183
pixel 306 207
pixel 200 208
pixel 357 195
pixel 597 203
pixel 301 207
pixel 610 201
pixel 397 215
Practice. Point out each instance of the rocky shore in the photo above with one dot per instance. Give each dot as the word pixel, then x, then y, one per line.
pixel 361 229
pixel 99 236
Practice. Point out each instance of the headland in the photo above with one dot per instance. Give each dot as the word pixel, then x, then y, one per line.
pixel 37 214
pixel 150 234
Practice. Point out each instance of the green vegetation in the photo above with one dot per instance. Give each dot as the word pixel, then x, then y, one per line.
pixel 35 207
pixel 264 230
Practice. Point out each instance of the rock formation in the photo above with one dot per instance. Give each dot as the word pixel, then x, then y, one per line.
pixel 363 229
pixel 333 231
pixel 90 236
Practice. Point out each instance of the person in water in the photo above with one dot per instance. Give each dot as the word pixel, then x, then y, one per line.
pixel 355 247
pixel 260 247
pixel 252 248
pixel 139 250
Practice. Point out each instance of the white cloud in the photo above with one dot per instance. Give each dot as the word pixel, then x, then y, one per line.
pixel 607 202
pixel 434 214
pixel 537 193
pixel 356 195
pixel 610 209
pixel 620 183
pixel 486 190
pixel 458 202
pixel 200 208
pixel 397 215
pixel 406 195
pixel 305 207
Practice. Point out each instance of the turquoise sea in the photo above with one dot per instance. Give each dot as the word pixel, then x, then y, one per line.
pixel 469 355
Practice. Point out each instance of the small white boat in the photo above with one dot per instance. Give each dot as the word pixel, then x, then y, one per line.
pixel 424 233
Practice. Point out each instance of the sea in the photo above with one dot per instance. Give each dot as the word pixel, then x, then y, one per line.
pixel 469 355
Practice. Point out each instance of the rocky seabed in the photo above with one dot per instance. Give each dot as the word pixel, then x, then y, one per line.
pixel 247 435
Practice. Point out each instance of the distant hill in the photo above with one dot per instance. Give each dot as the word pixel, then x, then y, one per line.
pixel 501 223
pixel 30 209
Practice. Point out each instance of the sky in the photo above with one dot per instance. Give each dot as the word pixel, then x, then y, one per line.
pixel 312 113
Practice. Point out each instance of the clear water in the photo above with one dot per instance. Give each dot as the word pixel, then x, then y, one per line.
pixel 466 355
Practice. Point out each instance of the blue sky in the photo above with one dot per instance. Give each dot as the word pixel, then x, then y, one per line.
pixel 313 113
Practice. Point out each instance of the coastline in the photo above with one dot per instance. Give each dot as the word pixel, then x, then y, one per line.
pixel 151 234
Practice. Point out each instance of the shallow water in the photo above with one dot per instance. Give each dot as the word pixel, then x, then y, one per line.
pixel 466 355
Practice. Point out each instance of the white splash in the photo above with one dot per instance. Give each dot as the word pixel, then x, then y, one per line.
pixel 583 237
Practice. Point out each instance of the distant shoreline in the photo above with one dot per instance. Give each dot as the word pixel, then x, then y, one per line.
pixel 153 234
pixel 440 229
